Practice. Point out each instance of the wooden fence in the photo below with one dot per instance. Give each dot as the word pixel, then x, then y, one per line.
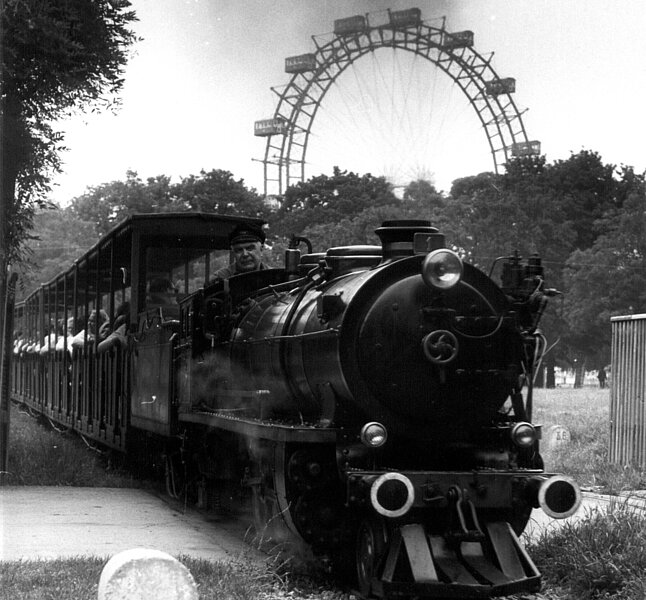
pixel 628 391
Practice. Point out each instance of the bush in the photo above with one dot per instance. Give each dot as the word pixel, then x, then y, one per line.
pixel 601 556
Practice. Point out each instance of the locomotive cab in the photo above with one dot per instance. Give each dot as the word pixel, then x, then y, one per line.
pixel 179 255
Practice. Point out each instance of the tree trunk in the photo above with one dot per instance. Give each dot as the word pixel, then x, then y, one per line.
pixel 579 374
pixel 9 152
pixel 539 382
pixel 550 377
pixel 5 370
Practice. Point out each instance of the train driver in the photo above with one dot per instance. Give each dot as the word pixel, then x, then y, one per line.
pixel 246 242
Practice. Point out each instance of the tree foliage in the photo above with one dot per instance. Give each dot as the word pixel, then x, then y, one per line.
pixel 330 199
pixel 58 238
pixel 108 204
pixel 608 278
pixel 57 56
pixel 562 211
pixel 215 191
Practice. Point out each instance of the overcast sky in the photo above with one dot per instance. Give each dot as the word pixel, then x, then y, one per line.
pixel 203 74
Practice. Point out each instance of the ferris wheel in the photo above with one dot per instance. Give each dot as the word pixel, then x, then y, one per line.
pixel 489 97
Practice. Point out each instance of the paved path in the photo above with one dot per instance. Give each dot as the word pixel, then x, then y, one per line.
pixel 50 522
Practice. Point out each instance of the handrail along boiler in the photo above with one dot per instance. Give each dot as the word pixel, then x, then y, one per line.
pixel 373 401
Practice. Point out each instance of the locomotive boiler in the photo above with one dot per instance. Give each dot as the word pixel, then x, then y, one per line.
pixel 371 402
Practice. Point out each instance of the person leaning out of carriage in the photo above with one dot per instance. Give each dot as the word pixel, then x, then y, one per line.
pixel 246 242
pixel 118 334
pixel 98 325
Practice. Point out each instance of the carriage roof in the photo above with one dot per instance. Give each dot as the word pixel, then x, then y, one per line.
pixel 101 267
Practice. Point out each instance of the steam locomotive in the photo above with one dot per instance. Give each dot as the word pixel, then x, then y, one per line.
pixel 373 402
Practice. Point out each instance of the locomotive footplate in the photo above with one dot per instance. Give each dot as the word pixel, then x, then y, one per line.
pixel 441 535
pixel 257 428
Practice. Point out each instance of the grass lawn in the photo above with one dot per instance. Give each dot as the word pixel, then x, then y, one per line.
pixel 585 412
pixel 42 455
pixel 78 579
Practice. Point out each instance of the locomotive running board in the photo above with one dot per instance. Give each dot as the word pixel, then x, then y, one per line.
pixel 424 565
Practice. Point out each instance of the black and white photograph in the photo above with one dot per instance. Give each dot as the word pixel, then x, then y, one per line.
pixel 322 300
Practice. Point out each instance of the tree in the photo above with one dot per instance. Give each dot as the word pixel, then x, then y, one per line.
pixel 607 279
pixel 347 208
pixel 108 204
pixel 356 229
pixel 57 56
pixel 217 191
pixel 58 238
pixel 423 195
pixel 559 211
pixel 586 188
pixel 329 199
pixel 489 215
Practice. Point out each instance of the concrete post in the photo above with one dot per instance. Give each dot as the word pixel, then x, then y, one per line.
pixel 144 574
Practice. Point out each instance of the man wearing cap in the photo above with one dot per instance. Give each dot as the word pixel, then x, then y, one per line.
pixel 246 243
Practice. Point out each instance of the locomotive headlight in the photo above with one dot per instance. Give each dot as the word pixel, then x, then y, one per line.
pixel 373 435
pixel 442 269
pixel 523 434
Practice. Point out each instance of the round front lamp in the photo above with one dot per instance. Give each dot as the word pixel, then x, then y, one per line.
pixel 442 269
pixel 373 435
pixel 523 435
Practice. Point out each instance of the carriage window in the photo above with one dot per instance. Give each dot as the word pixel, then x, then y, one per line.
pixel 219 259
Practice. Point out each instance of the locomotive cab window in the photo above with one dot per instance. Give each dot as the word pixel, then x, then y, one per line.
pixel 185 269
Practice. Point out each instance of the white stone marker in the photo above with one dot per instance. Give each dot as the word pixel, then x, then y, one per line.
pixel 144 574
pixel 556 435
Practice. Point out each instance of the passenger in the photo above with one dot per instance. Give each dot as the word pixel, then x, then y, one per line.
pixel 19 343
pixel 49 341
pixel 71 330
pixel 246 242
pixel 94 324
pixel 118 336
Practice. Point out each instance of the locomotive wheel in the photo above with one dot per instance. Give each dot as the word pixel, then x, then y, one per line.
pixel 370 547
